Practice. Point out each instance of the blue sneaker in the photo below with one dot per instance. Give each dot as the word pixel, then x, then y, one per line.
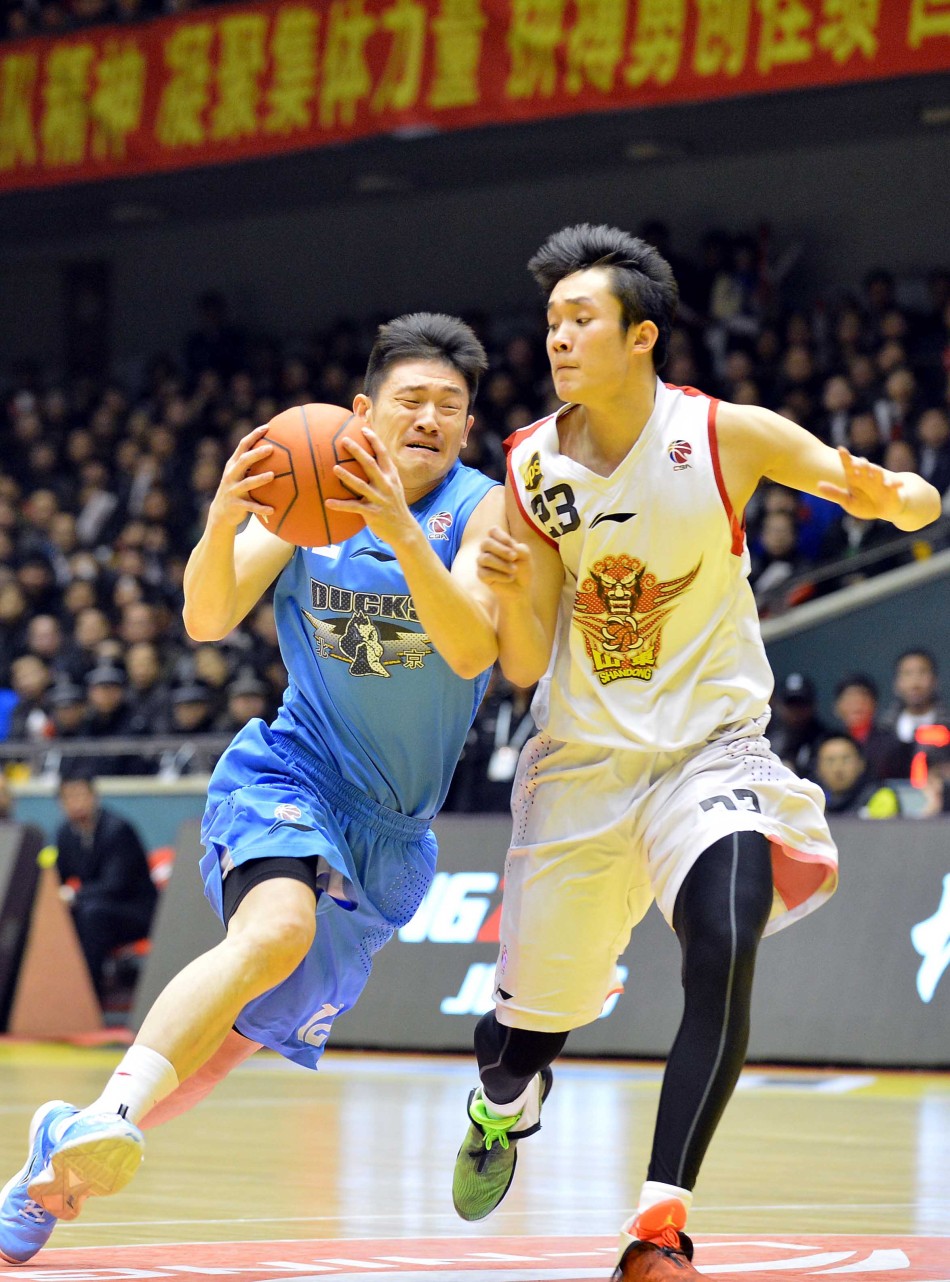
pixel 25 1227
pixel 94 1155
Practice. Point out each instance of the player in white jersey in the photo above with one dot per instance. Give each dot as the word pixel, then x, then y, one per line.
pixel 622 585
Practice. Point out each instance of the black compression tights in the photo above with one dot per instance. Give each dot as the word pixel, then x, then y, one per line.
pixel 719 916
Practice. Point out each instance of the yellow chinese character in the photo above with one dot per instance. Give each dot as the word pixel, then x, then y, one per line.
pixel 783 36
pixel 346 77
pixel 849 28
pixel 185 98
pixel 928 18
pixel 457 32
pixel 398 86
pixel 534 34
pixel 65 121
pixel 595 44
pixel 17 81
pixel 116 103
pixel 294 81
pixel 657 44
pixel 240 62
pixel 722 37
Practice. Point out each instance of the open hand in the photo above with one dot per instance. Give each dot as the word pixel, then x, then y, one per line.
pixel 869 491
pixel 234 497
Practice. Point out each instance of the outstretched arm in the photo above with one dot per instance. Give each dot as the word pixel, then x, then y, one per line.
pixel 526 576
pixel 756 443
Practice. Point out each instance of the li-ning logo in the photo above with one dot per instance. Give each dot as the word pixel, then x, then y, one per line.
pixel 680 453
pixel 287 812
pixel 531 472
pixel 439 525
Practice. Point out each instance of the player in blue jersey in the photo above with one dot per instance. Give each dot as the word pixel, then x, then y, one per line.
pixel 316 831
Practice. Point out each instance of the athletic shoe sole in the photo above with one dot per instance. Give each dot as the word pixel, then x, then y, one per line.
pixel 91 1166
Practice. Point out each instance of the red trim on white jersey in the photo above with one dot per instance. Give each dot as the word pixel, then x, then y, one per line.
pixel 509 445
pixel 735 525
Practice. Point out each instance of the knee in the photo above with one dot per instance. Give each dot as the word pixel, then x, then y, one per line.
pixel 273 944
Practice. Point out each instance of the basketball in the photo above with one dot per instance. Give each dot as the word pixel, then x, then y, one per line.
pixel 307 442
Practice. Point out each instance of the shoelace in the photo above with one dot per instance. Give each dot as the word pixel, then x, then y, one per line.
pixel 495 1129
pixel 32 1211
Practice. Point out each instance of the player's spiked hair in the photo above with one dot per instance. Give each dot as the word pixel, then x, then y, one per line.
pixel 642 280
pixel 426 336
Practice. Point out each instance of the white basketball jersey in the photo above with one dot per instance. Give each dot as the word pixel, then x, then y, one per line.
pixel 658 642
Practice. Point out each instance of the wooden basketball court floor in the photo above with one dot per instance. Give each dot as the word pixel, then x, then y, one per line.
pixel 345 1174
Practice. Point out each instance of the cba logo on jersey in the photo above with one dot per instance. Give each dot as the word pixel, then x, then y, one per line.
pixel 531 472
pixel 680 453
pixel 287 812
pixel 620 610
pixel 439 525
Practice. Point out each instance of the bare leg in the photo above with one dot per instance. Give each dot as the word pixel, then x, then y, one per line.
pixel 234 1050
pixel 268 937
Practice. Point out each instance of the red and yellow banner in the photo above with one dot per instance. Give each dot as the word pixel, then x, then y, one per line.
pixel 227 84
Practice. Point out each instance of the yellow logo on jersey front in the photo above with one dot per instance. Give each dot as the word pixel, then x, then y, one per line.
pixel 531 472
pixel 620 609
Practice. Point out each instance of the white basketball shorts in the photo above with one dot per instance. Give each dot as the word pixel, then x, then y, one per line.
pixel 600 832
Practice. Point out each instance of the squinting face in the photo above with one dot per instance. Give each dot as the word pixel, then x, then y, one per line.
pixel 420 413
pixel 589 350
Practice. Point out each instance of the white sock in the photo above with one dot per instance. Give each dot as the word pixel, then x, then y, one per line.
pixel 141 1081
pixel 516 1105
pixel 653 1191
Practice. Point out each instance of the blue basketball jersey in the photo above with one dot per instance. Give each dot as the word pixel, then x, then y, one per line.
pixel 368 694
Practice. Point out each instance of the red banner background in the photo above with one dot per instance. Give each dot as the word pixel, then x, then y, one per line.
pixel 232 83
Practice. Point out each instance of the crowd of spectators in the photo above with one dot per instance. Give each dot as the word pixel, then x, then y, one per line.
pixel 104 490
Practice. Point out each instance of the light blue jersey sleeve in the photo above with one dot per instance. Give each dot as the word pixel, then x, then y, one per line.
pixel 367 693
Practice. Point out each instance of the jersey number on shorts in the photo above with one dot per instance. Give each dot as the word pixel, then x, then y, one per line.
pixel 561 497
pixel 744 796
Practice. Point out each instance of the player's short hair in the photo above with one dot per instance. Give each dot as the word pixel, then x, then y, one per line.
pixel 426 336
pixel 641 278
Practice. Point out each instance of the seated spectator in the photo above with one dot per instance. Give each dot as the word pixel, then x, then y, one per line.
pixel 796 730
pixel 105 874
pixel 916 699
pixel 30 680
pixel 246 699
pixel 855 705
pixel 937 788
pixel 777 558
pixel 148 693
pixel 933 437
pixel 841 770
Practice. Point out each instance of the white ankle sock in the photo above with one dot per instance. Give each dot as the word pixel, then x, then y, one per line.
pixel 653 1191
pixel 141 1081
pixel 516 1105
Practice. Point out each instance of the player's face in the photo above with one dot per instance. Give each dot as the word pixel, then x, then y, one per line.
pixel 421 414
pixel 592 356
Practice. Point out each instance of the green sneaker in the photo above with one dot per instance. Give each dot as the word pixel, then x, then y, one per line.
pixel 485 1165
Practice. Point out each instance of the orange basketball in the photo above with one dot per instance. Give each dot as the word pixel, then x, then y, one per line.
pixel 307 443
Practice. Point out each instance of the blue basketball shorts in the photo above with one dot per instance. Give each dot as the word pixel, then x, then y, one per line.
pixel 269 797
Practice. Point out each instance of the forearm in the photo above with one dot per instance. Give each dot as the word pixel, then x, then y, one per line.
pixel 456 622
pixel 920 502
pixel 210 585
pixel 524 644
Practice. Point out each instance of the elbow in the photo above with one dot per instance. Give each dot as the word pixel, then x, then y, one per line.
pixel 200 629
pixel 468 668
